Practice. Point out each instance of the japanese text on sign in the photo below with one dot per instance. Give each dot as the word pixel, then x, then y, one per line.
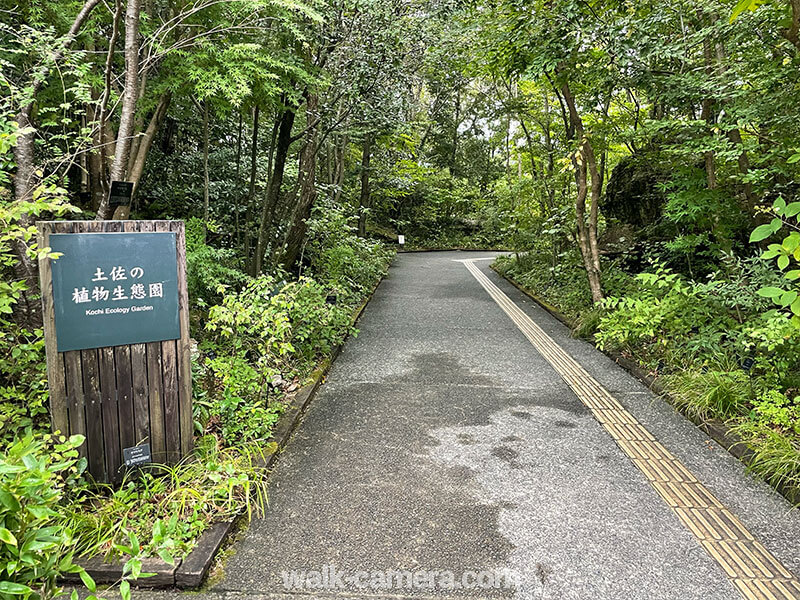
pixel 112 289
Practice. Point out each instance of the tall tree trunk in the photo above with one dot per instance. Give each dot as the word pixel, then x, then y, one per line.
pixel 238 171
pixel 94 162
pixel 587 179
pixel 100 183
pixel 146 140
pixel 792 33
pixel 308 191
pixel 282 145
pixel 548 145
pixel 251 190
pixel 130 96
pixel 341 156
pixel 365 194
pixel 707 110
pixel 205 162
pixel 456 124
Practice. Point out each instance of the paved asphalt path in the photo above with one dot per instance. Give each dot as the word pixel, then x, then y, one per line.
pixel 442 442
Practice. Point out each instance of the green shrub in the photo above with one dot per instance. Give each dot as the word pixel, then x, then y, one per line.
pixel 208 268
pixel 706 395
pixel 23 379
pixel 280 327
pixel 589 323
pixel 35 547
pixel 774 342
pixel 776 456
pixel 777 411
pixel 349 266
pixel 168 507
pixel 241 410
pixel 564 286
pixel 668 318
pixel 23 382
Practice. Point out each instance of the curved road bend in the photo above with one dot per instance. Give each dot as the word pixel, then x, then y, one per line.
pixel 465 446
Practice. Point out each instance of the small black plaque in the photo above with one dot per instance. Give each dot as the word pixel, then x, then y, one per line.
pixel 137 455
pixel 121 193
pixel 748 363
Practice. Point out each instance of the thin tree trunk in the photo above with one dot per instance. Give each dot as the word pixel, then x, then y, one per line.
pixel 100 185
pixel 707 111
pixel 282 145
pixel 130 96
pixel 308 192
pixel 365 194
pixel 238 171
pixel 587 179
pixel 138 124
pixel 341 157
pixel 251 190
pixel 205 162
pixel 143 149
pixel 454 157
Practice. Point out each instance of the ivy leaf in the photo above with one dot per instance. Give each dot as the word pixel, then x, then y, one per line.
pixel 783 262
pixel 769 292
pixel 792 275
pixel 761 232
pixel 792 209
pixel 787 298
pixel 795 307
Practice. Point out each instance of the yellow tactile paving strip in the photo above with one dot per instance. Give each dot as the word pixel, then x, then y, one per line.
pixel 752 569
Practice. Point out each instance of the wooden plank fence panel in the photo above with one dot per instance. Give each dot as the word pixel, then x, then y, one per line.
pixel 112 450
pixel 172 433
pixel 139 379
pixel 127 418
pixel 59 412
pixel 94 414
pixel 74 381
pixel 184 345
pixel 155 382
pixel 121 396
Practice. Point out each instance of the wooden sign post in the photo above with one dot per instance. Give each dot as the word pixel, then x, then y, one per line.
pixel 116 327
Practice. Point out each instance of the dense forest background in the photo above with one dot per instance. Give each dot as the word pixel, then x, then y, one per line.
pixel 639 160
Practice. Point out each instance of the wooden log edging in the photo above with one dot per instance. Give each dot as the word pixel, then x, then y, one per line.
pixel 190 572
pixel 717 430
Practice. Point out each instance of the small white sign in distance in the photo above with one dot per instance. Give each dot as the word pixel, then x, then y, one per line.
pixel 401 239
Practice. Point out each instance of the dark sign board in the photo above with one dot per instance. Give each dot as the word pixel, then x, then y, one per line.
pixel 111 289
pixel 137 455
pixel 121 193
